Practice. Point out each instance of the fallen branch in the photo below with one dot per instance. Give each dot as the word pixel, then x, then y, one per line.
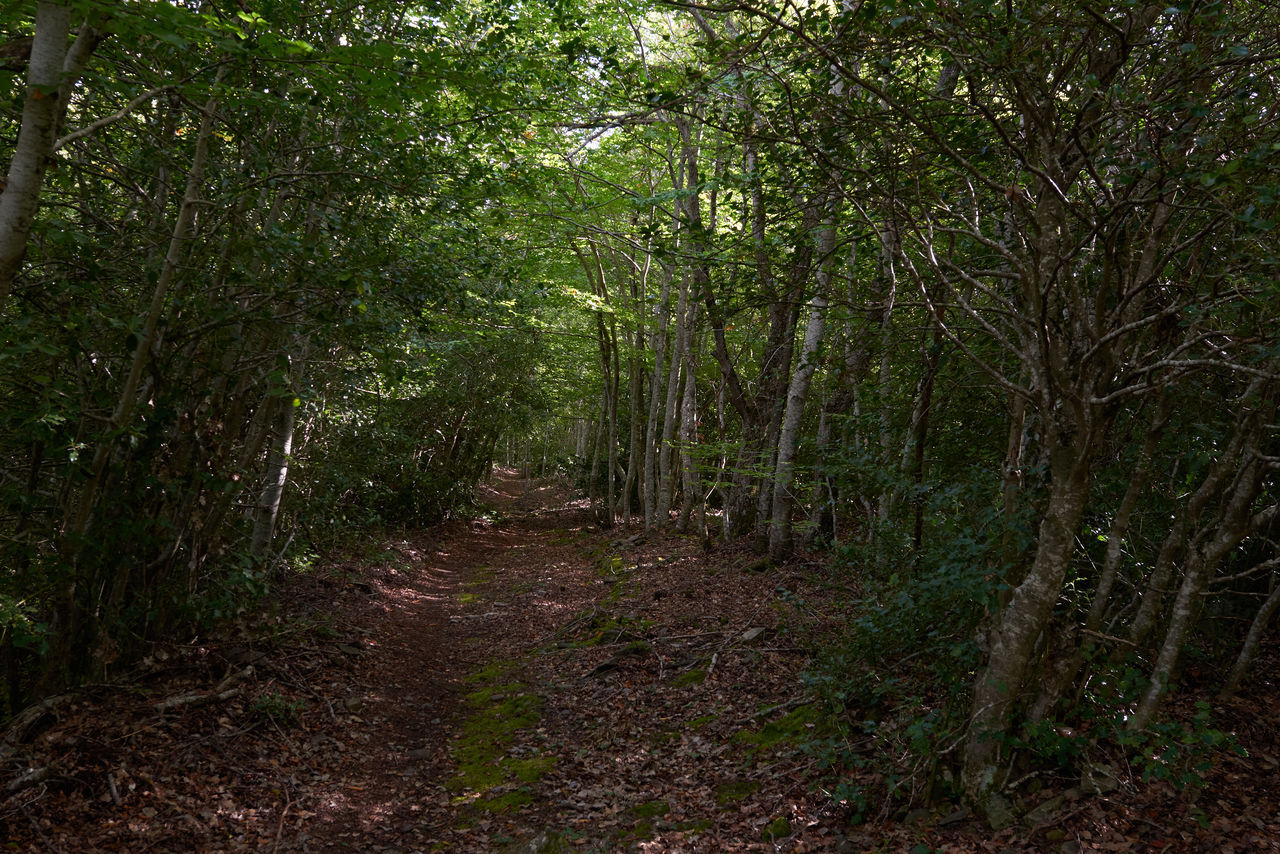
pixel 23 722
pixel 30 778
pixel 225 690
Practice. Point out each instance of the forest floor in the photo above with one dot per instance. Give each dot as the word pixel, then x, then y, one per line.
pixel 525 682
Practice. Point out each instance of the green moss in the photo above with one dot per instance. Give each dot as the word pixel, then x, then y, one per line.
pixel 468 598
pixel 643 829
pixel 691 677
pixel 605 628
pixel 480 576
pixel 528 770
pixel 651 809
pixel 733 791
pixel 491 694
pixel 667 735
pixel 699 825
pixel 779 828
pixel 506 802
pixel 490 672
pixel 499 708
pixel 790 729
pixel 610 566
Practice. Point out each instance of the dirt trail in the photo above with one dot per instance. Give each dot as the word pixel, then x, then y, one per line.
pixel 538 684
pixel 430 641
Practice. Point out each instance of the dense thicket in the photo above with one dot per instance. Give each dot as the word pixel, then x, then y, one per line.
pixel 976 297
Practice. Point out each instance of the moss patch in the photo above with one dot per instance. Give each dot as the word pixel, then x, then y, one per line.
pixel 779 828
pixel 500 706
pixel 668 735
pixel 604 628
pixel 506 802
pixel 730 793
pixel 610 566
pixel 650 809
pixel 643 829
pixel 791 729
pixel 481 576
pixel 691 677
pixel 490 672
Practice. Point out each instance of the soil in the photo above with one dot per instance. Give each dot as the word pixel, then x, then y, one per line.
pixel 526 682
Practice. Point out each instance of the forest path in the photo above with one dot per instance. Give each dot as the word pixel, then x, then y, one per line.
pixel 417 659
pixel 538 682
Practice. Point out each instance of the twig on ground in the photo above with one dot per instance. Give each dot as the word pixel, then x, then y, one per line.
pixel 288 802
pixel 225 690
pixel 30 778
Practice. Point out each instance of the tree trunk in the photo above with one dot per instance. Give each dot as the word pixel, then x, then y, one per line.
pixel 1229 528
pixel 666 449
pixel 657 395
pixel 691 485
pixel 264 522
pixel 783 500
pixel 789 435
pixel 52 72
pixel 1021 622
pixel 1250 646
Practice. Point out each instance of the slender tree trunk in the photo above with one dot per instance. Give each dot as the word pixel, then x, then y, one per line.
pixel 657 396
pixel 789 435
pixel 598 431
pixel 1187 519
pixel 666 486
pixel 612 391
pixel 783 500
pixel 1252 640
pixel 1120 523
pixel 635 438
pixel 268 509
pixel 1230 527
pixel 691 485
pixel 888 249
pixel 1064 672
pixel 822 510
pixel 52 73
pixel 1011 474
